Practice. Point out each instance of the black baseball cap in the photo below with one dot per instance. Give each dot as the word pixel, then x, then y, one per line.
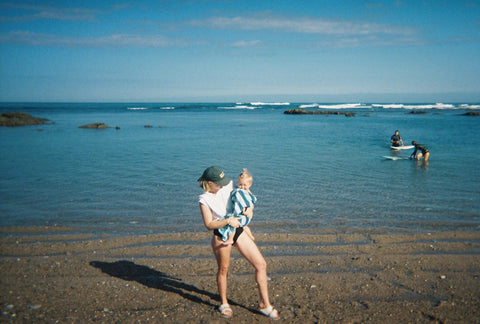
pixel 215 174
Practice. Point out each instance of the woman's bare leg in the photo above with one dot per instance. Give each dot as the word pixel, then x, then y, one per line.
pixel 222 254
pixel 252 254
pixel 425 158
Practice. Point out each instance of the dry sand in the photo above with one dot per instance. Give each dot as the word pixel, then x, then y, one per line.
pixel 54 275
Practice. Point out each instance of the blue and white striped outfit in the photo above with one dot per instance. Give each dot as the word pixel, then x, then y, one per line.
pixel 240 200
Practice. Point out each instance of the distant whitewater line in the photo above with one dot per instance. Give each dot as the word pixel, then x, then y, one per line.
pixel 259 105
pixel 315 105
pixel 147 108
pixel 342 106
pixel 270 103
pixel 420 106
pixel 238 107
pixel 390 106
pixel 334 106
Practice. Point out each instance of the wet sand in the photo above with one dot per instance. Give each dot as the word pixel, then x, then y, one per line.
pixel 62 275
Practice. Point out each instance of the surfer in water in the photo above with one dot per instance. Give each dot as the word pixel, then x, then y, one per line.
pixel 396 139
pixel 423 152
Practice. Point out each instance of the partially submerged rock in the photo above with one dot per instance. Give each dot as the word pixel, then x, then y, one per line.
pixel 95 126
pixel 472 113
pixel 20 118
pixel 317 112
pixel 418 112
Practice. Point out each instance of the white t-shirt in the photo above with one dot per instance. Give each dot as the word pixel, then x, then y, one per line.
pixel 218 203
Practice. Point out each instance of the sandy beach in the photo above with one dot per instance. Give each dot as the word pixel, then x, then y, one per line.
pixel 63 275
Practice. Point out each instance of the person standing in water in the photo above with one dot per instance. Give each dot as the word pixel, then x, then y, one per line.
pixel 396 139
pixel 423 152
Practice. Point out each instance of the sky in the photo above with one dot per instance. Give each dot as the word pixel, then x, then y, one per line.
pixel 240 51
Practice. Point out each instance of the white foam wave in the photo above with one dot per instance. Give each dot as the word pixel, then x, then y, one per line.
pixel 309 106
pixel 435 106
pixel 425 106
pixel 389 106
pixel 167 108
pixel 341 106
pixel 137 108
pixel 467 106
pixel 238 107
pixel 270 103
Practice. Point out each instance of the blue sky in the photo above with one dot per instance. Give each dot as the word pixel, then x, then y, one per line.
pixel 186 50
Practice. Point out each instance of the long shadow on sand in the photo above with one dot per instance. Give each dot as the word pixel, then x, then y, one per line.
pixel 130 271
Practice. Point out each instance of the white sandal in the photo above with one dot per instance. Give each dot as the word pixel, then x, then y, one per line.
pixel 270 312
pixel 224 310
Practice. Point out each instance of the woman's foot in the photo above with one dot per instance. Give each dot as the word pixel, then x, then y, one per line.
pixel 270 312
pixel 225 310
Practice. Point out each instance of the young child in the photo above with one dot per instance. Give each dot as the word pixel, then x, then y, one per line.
pixel 241 198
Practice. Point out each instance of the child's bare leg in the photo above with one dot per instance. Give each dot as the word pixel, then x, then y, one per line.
pixel 247 231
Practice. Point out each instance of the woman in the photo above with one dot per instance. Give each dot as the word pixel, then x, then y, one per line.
pixel 423 152
pixel 214 203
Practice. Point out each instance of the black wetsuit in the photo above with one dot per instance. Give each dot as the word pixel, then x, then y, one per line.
pixel 396 140
pixel 420 147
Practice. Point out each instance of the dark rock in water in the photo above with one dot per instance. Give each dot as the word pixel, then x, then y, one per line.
pixel 472 113
pixel 317 112
pixel 418 112
pixel 21 118
pixel 95 126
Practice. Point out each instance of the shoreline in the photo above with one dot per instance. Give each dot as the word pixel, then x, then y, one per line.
pixel 56 274
pixel 280 227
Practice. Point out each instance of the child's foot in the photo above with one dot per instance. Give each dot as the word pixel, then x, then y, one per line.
pixel 247 230
pixel 229 240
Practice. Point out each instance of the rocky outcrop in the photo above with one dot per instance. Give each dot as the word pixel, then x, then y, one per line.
pixel 20 118
pixel 472 113
pixel 317 112
pixel 418 112
pixel 95 126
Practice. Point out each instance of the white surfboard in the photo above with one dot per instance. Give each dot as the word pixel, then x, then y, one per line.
pixel 394 158
pixel 406 147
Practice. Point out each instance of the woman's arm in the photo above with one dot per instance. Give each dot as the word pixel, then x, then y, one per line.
pixel 210 224
pixel 412 156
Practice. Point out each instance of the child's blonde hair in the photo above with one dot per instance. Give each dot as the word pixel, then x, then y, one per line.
pixel 246 176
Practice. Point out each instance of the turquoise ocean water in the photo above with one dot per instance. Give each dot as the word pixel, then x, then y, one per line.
pixel 311 172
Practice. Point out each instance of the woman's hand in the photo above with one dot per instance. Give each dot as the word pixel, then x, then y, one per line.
pixel 234 222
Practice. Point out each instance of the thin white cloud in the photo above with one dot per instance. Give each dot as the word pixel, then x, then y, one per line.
pixel 119 40
pixel 36 12
pixel 302 25
pixel 244 43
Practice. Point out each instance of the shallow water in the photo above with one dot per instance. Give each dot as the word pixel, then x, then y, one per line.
pixel 311 172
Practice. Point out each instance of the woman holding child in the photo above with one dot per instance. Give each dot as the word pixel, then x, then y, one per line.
pixel 214 205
